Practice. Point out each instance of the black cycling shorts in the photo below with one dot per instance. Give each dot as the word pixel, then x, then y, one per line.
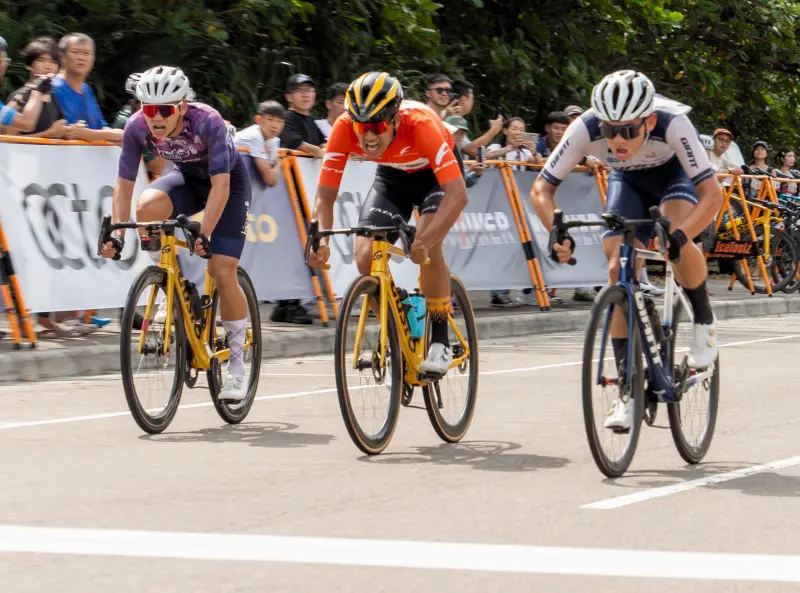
pixel 397 192
pixel 189 195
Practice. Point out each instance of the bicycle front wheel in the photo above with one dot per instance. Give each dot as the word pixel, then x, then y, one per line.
pixel 451 400
pixel 152 371
pixel 692 419
pixel 235 412
pixel 369 388
pixel 612 449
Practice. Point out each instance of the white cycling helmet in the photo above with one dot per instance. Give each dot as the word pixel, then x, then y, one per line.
pixel 130 84
pixel 708 141
pixel 622 96
pixel 162 84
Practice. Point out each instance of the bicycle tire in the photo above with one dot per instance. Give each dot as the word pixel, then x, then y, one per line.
pixel 235 412
pixel 611 295
pixel 691 455
pixel 151 275
pixel 780 279
pixel 452 433
pixel 794 285
pixel 375 443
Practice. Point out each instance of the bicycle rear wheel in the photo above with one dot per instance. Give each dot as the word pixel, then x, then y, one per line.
pixel 450 415
pixel 780 262
pixel 691 420
pixel 612 451
pixel 369 392
pixel 146 373
pixel 235 412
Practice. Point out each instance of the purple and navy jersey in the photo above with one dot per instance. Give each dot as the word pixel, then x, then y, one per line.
pixel 202 149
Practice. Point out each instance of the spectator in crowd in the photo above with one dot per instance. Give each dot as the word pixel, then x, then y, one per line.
pixel 75 97
pixel 784 163
pixel 573 112
pixel 722 140
pixel 262 140
pixel 472 173
pixel 335 106
pixel 462 106
pixel 518 147
pixel 300 131
pixel 556 124
pixel 41 58
pixel 438 95
pixel 758 166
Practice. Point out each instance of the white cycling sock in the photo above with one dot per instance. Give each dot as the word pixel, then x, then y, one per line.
pixel 236 336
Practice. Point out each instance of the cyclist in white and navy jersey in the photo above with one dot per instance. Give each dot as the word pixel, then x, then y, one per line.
pixel 656 158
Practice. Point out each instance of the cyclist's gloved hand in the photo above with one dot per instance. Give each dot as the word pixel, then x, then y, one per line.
pixel 561 246
pixel 112 247
pixel 676 241
pixel 202 246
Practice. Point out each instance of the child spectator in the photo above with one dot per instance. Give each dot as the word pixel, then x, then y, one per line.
pixel 262 140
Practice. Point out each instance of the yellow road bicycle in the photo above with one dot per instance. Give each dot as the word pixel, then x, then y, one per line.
pixel 162 352
pixel 377 367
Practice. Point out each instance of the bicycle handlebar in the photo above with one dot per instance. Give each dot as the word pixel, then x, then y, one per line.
pixel 614 222
pixel 190 227
pixel 407 233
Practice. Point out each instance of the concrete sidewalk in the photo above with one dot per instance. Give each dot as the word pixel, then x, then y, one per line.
pixel 99 352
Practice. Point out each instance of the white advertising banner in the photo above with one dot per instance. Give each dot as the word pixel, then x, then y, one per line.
pixel 53 202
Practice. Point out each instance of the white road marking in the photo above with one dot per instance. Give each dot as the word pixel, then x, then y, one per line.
pixel 621 501
pixel 9 425
pixel 402 554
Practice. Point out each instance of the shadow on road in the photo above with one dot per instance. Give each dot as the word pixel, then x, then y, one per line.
pixel 278 435
pixel 480 455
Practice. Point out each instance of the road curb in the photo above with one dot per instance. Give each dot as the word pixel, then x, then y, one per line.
pixel 63 363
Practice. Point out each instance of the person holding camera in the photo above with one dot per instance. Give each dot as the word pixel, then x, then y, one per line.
pixel 520 147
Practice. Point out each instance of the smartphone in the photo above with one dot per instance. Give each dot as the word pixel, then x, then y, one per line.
pixel 481 153
pixel 529 137
pixel 454 96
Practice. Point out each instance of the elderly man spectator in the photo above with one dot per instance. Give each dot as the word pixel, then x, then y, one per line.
pixel 41 58
pixel 262 140
pixel 335 106
pixel 75 97
pixel 300 131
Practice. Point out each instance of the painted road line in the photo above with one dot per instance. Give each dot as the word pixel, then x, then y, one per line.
pixel 402 554
pixel 629 499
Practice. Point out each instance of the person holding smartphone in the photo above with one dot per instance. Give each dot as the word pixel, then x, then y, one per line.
pixel 519 146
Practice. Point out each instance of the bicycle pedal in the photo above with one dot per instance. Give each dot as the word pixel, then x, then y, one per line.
pixel 430 377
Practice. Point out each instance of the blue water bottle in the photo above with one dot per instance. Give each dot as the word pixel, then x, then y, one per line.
pixel 408 309
pixel 418 313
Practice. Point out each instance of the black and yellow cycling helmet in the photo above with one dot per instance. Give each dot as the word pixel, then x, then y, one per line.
pixel 372 97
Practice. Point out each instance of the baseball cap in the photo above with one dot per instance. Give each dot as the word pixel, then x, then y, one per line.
pixel 760 143
pixel 573 110
pixel 719 131
pixel 458 122
pixel 295 80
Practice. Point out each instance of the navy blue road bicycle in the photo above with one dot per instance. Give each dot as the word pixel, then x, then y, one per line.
pixel 664 376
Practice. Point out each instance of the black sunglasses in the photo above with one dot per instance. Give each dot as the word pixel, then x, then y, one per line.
pixel 627 132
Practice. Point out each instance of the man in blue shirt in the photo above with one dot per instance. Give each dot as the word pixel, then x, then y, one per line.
pixel 75 97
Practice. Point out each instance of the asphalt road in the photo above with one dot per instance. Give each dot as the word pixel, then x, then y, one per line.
pixel 285 502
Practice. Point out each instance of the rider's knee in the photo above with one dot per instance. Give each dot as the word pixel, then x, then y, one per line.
pixel 221 270
pixel 613 270
pixel 151 204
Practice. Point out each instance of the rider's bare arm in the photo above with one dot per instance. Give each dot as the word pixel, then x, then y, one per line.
pixel 323 209
pixel 543 199
pixel 121 205
pixel 709 203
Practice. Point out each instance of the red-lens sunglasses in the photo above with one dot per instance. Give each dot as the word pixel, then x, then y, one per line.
pixel 164 110
pixel 377 128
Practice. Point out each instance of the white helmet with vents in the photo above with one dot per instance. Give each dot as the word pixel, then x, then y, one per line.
pixel 162 84
pixel 708 141
pixel 622 96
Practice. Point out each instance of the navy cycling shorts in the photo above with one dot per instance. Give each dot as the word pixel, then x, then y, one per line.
pixel 631 194
pixel 189 195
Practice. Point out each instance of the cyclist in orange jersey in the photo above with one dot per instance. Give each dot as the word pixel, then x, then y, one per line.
pixel 417 168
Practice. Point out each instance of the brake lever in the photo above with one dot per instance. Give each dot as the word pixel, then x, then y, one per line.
pixel 312 240
pixel 662 226
pixel 105 233
pixel 559 234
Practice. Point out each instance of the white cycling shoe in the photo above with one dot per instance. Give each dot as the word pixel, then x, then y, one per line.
pixel 704 348
pixel 235 389
pixel 619 416
pixel 439 359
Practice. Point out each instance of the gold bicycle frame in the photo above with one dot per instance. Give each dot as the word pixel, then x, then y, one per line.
pixel 198 341
pixel 413 350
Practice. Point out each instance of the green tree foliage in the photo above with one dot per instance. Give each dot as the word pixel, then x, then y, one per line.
pixel 735 61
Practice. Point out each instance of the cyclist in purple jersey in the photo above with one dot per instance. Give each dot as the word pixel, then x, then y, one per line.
pixel 209 175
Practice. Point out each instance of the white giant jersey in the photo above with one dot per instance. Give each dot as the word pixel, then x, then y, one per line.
pixel 673 135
